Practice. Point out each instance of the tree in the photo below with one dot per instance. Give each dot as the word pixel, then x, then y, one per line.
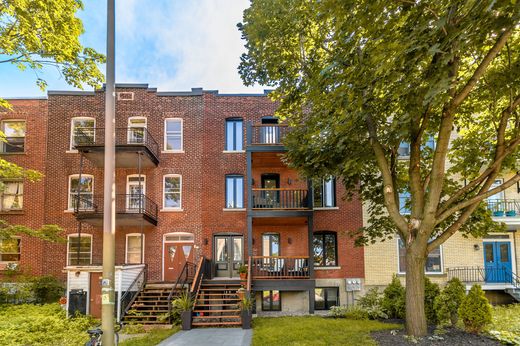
pixel 357 78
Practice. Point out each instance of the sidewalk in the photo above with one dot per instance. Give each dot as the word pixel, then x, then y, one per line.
pixel 210 337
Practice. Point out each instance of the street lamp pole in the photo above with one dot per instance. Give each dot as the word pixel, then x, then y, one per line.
pixel 109 189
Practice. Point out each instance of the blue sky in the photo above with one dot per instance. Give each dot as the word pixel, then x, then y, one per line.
pixel 169 44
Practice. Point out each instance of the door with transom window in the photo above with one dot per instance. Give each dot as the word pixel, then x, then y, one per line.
pixel 136 188
pixel 228 254
pixel 178 249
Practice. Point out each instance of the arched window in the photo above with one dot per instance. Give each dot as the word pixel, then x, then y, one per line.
pixel 82 131
pixel 325 249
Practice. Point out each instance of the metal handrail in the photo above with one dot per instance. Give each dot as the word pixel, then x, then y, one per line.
pixel 181 282
pixel 249 276
pixel 280 198
pixel 504 207
pixel 197 279
pixel 482 274
pixel 124 308
pixel 280 267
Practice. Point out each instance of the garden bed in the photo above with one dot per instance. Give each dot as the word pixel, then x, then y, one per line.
pixel 450 336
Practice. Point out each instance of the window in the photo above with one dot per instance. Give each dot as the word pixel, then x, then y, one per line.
pixel 234 134
pixel 404 149
pixel 79 249
pixel 499 195
pixel 325 249
pixel 85 189
pixel 270 244
pixel 14 131
pixel 11 194
pixel 234 191
pixel 10 250
pixel 172 190
pixel 173 134
pixel 136 130
pixel 134 248
pixel 271 300
pixel 135 190
pixel 404 200
pixel 326 297
pixel 82 132
pixel 325 194
pixel 433 262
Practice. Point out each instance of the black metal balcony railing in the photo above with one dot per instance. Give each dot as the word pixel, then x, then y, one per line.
pixel 280 199
pixel 13 145
pixel 268 134
pixel 125 136
pixel 125 204
pixel 279 267
pixel 504 207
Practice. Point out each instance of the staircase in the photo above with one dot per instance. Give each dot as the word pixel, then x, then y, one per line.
pixel 216 304
pixel 514 292
pixel 150 305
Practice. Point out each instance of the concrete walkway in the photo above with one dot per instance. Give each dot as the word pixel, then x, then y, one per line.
pixel 210 337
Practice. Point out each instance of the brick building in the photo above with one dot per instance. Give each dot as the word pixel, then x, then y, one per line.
pixel 198 175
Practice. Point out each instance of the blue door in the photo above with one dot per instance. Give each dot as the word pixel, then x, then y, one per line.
pixel 497 262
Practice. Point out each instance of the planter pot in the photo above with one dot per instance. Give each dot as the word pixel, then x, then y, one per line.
pixel 246 316
pixel 243 276
pixel 510 213
pixel 241 294
pixel 498 213
pixel 186 320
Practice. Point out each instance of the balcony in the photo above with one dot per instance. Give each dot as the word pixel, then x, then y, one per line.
pixel 281 199
pixel 266 137
pixel 279 267
pixel 129 142
pixel 131 210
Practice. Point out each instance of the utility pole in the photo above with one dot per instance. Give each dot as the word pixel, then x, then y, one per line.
pixel 109 190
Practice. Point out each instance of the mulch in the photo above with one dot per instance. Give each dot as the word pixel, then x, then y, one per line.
pixel 451 337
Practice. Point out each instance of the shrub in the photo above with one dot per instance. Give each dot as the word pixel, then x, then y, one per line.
pixel 184 302
pixel 448 302
pixel 337 311
pixel 46 289
pixel 475 310
pixel 393 302
pixel 349 312
pixel 431 291
pixel 371 303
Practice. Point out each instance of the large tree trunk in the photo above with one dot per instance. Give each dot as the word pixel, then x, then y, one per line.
pixel 415 314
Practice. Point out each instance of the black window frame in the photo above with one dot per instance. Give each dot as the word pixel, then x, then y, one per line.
pixel 322 235
pixel 326 305
pixel 234 144
pixel 323 193
pixel 271 234
pixel 234 177
pixel 270 308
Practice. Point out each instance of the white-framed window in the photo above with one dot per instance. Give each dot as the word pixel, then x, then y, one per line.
pixel 136 130
pixel 14 131
pixel 172 191
pixel 10 249
pixel 234 134
pixel 433 264
pixel 82 131
pixel 79 249
pixel 135 190
pixel 134 248
pixel 11 195
pixel 83 188
pixel 173 133
pixel 404 200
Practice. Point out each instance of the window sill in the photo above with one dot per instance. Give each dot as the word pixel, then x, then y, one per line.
pixel 70 211
pixel 234 151
pixel 71 151
pixel 172 151
pixel 233 209
pixel 327 268
pixel 11 212
pixel 326 208
pixel 9 154
pixel 176 210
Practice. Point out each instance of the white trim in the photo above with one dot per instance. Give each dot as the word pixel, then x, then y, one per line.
pixel 82 235
pixel 326 208
pixel 442 272
pixel 128 184
pixel 512 248
pixel 171 210
pixel 180 192
pixel 165 136
pixel 233 209
pixel 69 209
pixel 71 150
pixel 327 268
pixel 142 246
pixel 138 127
pixel 233 151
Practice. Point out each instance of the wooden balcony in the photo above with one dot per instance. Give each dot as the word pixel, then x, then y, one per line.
pixel 279 267
pixel 130 144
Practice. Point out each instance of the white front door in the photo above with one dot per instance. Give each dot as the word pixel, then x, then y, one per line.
pixel 136 189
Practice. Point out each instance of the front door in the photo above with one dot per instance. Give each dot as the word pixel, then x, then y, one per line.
pixel 228 255
pixel 497 258
pixel 271 196
pixel 95 295
pixel 175 257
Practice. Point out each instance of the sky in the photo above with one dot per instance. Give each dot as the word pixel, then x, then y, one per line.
pixel 172 45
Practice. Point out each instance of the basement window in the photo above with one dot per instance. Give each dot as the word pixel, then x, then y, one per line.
pixel 271 300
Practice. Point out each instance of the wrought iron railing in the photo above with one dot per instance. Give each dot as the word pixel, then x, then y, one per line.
pixel 183 281
pixel 280 199
pixel 125 203
pixel 13 145
pixel 484 275
pixel 267 134
pixel 135 136
pixel 504 207
pixel 131 293
pixel 279 267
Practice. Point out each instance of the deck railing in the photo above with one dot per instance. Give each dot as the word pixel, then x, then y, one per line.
pixel 504 207
pixel 279 267
pixel 125 204
pixel 492 275
pixel 280 199
pixel 183 282
pixel 267 134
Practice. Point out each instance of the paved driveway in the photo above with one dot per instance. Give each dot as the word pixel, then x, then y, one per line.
pixel 210 337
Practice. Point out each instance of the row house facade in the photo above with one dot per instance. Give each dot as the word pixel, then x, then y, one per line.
pixel 199 174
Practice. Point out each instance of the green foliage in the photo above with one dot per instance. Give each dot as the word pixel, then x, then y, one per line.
pixel 134 328
pixel 41 325
pixel 152 337
pixel 47 289
pixel 448 302
pixel 475 310
pixel 184 302
pixel 505 325
pixel 348 312
pixel 246 304
pixel 431 292
pixel 242 269
pixel 371 302
pixel 394 302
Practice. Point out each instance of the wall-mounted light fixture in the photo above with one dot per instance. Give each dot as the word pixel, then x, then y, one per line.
pixel 289 181
pixel 476 247
pixel 289 240
pixel 205 241
pixel 253 241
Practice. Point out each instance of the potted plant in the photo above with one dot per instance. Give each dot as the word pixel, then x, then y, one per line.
pixel 242 271
pixel 184 305
pixel 241 293
pixel 246 306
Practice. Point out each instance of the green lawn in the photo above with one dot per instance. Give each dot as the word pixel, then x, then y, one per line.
pixel 506 323
pixel 151 338
pixel 314 331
